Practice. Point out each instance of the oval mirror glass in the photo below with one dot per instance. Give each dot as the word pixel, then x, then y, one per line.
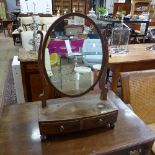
pixel 73 54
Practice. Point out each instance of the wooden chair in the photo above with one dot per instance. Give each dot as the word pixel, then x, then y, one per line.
pixel 138 29
pixel 5 24
pixel 138 89
pixel 9 28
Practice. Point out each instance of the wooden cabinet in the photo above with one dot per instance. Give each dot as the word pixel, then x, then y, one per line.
pixel 139 6
pixel 68 5
pixel 31 78
pixel 32 84
pixel 80 6
pixel 62 5
pixel 121 7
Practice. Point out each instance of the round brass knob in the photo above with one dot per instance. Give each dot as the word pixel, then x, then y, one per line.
pixel 62 128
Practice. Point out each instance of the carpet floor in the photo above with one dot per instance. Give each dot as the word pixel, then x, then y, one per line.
pixel 9 93
pixel 7 51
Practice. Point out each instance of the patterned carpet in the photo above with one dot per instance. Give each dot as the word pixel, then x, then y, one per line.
pixel 9 94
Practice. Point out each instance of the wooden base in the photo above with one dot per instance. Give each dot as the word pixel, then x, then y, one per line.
pixel 76 114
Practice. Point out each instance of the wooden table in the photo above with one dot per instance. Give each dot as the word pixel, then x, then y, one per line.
pixel 137 59
pixel 19 134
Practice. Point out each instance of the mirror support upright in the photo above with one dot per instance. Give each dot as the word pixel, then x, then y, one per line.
pixel 102 80
pixel 43 96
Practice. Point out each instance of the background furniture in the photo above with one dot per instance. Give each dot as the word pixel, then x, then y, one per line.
pixel 31 78
pixel 16 22
pixel 138 89
pixel 73 30
pixel 137 59
pixel 62 5
pixel 68 5
pixel 16 37
pixel 26 38
pixel 138 29
pixel 130 134
pixel 92 52
pixel 80 6
pixel 119 7
pixel 152 14
pixel 30 73
pixel 45 22
pixel 5 24
pixel 139 6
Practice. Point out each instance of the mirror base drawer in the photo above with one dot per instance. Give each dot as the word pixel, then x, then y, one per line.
pixel 78 124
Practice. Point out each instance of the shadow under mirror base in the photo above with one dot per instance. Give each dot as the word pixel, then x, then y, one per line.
pixel 76 114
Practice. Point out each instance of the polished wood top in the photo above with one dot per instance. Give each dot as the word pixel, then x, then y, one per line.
pixel 75 109
pixel 19 133
pixel 137 52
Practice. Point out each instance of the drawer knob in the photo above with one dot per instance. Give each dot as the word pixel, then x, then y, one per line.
pixel 100 120
pixel 62 128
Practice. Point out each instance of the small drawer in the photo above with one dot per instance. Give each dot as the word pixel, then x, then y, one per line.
pixel 98 121
pixel 59 127
pixel 92 122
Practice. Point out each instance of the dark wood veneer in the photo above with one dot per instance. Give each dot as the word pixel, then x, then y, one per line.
pixel 32 82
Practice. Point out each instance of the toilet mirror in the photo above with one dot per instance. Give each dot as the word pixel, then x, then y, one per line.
pixel 73 55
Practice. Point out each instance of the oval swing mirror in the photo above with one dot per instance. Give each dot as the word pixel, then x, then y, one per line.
pixel 73 55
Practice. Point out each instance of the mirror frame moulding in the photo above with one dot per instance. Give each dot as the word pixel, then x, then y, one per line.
pixel 41 60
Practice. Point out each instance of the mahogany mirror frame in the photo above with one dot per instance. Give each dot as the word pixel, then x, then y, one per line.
pixel 41 61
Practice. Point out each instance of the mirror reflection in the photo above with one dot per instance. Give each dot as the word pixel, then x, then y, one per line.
pixel 73 55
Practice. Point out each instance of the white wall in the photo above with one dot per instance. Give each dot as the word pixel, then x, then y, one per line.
pixel 41 6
